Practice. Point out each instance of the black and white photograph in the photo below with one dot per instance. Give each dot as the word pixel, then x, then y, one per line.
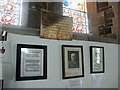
pixel 72 61
pixel 31 62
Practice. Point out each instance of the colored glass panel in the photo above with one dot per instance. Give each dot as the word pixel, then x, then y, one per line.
pixel 10 11
pixel 75 4
pixel 77 10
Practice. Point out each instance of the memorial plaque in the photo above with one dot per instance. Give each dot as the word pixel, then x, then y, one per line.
pixel 54 26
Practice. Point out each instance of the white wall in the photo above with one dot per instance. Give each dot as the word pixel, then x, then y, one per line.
pixel 54 63
pixel 119 66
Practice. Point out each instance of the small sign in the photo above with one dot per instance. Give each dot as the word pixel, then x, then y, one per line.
pixel 97 79
pixel 74 83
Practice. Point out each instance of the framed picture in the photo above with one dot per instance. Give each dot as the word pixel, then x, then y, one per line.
pixel 72 61
pixel 96 59
pixel 31 63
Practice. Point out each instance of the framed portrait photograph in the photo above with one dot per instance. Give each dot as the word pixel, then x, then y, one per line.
pixel 96 59
pixel 72 61
pixel 31 63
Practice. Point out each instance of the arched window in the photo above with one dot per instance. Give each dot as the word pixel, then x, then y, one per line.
pixel 10 12
pixel 77 10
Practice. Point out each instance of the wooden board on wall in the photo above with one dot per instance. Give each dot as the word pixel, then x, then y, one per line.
pixel 54 26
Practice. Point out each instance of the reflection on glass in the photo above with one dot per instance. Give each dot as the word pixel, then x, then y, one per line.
pixel 24 50
pixel 97 65
pixel 97 55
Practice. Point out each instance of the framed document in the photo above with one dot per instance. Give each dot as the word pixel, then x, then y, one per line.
pixel 96 59
pixel 72 61
pixel 31 62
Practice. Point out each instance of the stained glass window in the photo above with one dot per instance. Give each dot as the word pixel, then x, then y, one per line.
pixel 77 10
pixel 10 11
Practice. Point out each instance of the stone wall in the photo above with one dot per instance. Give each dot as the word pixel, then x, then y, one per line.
pixel 34 11
pixel 97 19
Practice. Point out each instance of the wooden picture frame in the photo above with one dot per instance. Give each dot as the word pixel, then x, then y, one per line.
pixel 72 61
pixel 31 63
pixel 97 59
